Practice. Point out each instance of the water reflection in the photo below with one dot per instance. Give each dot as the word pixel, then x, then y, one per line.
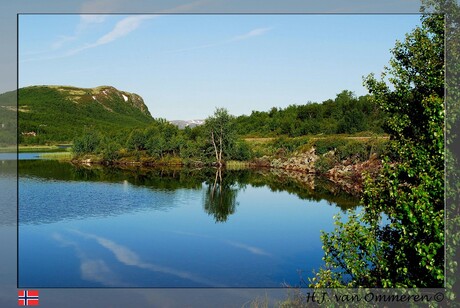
pixel 128 257
pixel 146 227
pixel 103 191
pixel 8 184
pixel 220 197
pixel 91 269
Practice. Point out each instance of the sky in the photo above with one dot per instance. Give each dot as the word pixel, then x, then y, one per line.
pixel 184 66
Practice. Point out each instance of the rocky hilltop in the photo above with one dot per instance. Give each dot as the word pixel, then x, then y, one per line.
pixel 103 95
pixel 50 114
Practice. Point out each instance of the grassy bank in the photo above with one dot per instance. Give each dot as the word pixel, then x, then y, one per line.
pixel 8 149
pixel 43 148
pixel 61 156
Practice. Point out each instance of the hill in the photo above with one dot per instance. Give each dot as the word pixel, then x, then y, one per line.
pixel 8 98
pixel 8 118
pixel 52 114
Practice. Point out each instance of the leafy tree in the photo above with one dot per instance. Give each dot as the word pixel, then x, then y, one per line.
pixel 88 142
pixel 110 151
pixel 409 250
pixel 136 140
pixel 220 134
pixel 451 9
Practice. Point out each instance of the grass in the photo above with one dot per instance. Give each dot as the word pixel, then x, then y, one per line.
pixel 62 156
pixel 8 149
pixel 236 165
pixel 42 148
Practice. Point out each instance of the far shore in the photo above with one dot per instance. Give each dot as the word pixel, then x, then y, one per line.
pixel 9 149
pixel 42 148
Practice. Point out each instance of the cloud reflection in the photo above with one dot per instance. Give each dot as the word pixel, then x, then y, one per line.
pixel 91 269
pixel 130 258
pixel 252 249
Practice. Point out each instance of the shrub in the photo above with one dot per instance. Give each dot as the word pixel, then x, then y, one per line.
pixel 325 145
pixel 110 152
pixel 325 163
pixel 241 151
pixel 87 143
pixel 355 149
pixel 289 145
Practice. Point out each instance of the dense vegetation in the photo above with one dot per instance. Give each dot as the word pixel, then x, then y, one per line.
pixel 346 114
pixel 451 9
pixel 105 124
pixel 408 251
pixel 56 114
pixel 216 143
pixel 59 114
pixel 163 143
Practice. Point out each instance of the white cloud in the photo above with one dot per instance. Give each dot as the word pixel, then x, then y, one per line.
pixel 187 7
pixel 252 33
pixel 86 20
pixel 101 6
pixel 62 40
pixel 248 35
pixel 123 28
pixel 92 18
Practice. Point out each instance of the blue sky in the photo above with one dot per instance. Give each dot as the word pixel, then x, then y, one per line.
pixel 184 66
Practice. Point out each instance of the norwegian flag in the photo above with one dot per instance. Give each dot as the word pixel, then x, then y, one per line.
pixel 28 297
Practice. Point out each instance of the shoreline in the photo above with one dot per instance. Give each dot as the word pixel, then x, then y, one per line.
pixel 347 175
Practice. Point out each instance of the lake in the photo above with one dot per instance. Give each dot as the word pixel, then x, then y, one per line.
pixel 111 227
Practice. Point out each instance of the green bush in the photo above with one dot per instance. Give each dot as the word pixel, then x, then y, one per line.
pixel 358 150
pixel 110 152
pixel 87 143
pixel 136 140
pixel 289 145
pixel 241 151
pixel 325 145
pixel 325 163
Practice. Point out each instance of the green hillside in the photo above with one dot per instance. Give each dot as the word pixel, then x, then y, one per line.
pixel 8 98
pixel 8 118
pixel 52 114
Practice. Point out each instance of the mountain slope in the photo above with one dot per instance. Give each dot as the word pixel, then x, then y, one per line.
pixel 8 98
pixel 49 114
pixel 187 123
pixel 8 118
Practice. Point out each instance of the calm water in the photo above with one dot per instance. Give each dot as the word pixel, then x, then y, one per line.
pixel 104 227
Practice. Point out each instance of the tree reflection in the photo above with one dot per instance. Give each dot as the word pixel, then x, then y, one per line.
pixel 220 197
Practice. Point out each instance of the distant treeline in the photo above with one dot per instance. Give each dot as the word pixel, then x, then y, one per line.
pixel 346 114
